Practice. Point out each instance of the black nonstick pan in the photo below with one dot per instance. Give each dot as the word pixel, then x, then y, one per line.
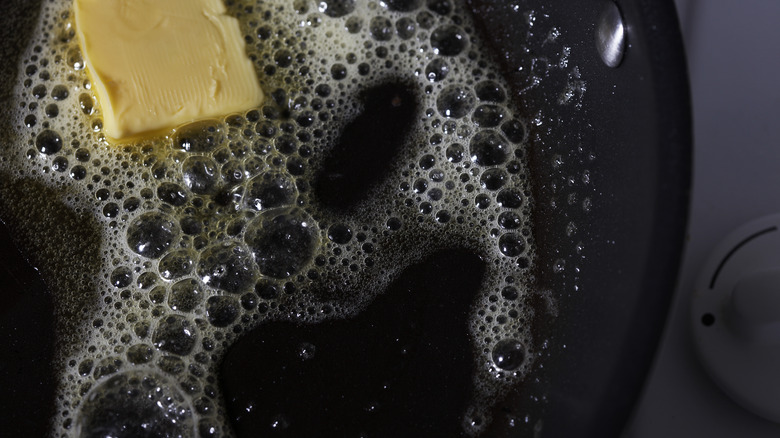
pixel 610 176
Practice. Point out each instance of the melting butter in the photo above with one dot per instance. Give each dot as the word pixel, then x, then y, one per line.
pixel 156 64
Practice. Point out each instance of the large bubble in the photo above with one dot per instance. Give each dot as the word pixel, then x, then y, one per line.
pixel 135 405
pixel 227 266
pixel 282 241
pixel 151 234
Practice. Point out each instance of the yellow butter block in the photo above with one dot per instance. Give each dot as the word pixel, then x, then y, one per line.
pixel 156 64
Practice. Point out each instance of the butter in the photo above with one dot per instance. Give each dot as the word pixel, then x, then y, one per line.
pixel 156 64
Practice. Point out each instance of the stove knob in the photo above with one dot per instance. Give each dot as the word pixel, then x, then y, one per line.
pixel 753 310
pixel 736 316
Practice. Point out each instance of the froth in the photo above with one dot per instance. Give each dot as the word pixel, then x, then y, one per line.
pixel 206 232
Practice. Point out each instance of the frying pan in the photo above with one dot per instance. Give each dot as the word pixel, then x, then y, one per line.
pixel 611 280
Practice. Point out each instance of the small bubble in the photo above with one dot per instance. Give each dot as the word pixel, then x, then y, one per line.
pixel 336 8
pixel 52 110
pixel 338 71
pixel 121 277
pixel 339 233
pixel 436 70
pixel 448 40
pixel 60 164
pixel 511 244
pixel 175 334
pixel 509 220
pixel 455 101
pixel 354 24
pixel 59 92
pixel 151 234
pixel 221 310
pixel 381 28
pixel 493 179
pixel 488 148
pixel 455 153
pixel 48 142
pixel 405 27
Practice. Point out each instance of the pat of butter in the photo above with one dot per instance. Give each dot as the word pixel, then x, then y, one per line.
pixel 156 64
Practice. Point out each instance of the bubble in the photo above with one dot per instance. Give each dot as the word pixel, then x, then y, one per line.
pixel 394 224
pixel 448 40
pixel 59 92
pixel 511 244
pixel 221 310
pixel 509 220
pixel 336 8
pixel 151 234
pixel 509 293
pixel 354 24
pixel 171 364
pixel 185 295
pixel 121 277
pixel 176 264
pixel 283 58
pixel 199 137
pixel 39 91
pixel 270 190
pixel 172 193
pixel 134 404
pixel 455 153
pixel 338 71
pixel 487 116
pixel 514 130
pixel 227 266
pixel 401 5
pixel 381 28
pixel 282 240
pixel 108 365
pixel 306 350
pixel 455 101
pixel 509 198
pixel 488 148
pixel 441 7
pixel 405 27
pixel 140 353
pixel 490 91
pixel 482 201
pixel 175 334
pixel 339 233
pixel 493 179
pixel 508 354
pixel 436 70
pixel 48 142
pixel 199 174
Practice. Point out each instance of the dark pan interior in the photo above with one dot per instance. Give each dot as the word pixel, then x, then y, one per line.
pixel 611 296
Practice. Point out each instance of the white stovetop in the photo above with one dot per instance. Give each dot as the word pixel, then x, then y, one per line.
pixel 733 49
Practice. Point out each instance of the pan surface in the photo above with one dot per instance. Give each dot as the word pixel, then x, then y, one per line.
pixel 610 176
